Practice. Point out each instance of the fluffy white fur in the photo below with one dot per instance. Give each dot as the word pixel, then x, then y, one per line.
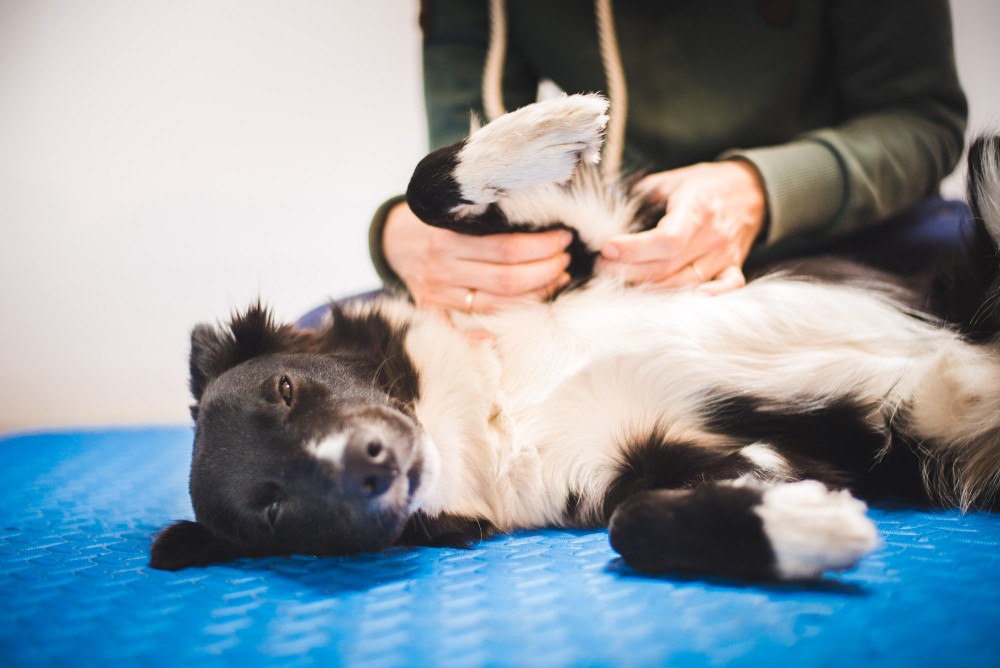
pixel 813 530
pixel 564 384
pixel 534 147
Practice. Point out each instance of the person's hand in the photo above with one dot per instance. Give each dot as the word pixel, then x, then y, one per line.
pixel 714 213
pixel 448 270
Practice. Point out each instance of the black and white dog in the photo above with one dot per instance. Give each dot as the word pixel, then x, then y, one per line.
pixel 728 435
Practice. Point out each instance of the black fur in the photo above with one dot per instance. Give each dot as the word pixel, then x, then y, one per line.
pixel 969 294
pixel 830 442
pixel 445 531
pixel 371 339
pixel 184 544
pixel 707 529
pixel 658 463
pixel 433 192
pixel 251 334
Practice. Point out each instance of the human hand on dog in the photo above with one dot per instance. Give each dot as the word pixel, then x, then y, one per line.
pixel 715 211
pixel 448 270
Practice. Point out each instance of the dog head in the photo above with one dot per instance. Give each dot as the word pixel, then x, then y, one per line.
pixel 305 442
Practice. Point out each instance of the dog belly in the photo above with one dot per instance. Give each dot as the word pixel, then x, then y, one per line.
pixel 602 368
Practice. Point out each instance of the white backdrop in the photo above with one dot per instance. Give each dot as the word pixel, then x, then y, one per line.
pixel 162 163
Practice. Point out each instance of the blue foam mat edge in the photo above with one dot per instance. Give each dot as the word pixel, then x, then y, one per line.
pixel 80 507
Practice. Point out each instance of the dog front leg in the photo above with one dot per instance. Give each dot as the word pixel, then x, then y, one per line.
pixel 787 531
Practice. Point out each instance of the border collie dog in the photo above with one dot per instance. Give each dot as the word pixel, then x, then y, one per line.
pixel 731 435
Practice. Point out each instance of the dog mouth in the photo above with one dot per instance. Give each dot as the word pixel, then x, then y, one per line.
pixel 413 478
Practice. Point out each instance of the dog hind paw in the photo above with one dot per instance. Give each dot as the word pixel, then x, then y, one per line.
pixel 542 143
pixel 813 530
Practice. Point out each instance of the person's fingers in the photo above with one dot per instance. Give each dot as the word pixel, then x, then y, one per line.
pixel 471 300
pixel 730 278
pixel 662 253
pixel 519 279
pixel 686 271
pixel 508 280
pixel 509 249
pixel 674 240
pixel 657 187
pixel 663 243
pixel 635 273
pixel 699 271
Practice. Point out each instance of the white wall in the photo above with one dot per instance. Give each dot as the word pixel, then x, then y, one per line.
pixel 164 162
pixel 977 23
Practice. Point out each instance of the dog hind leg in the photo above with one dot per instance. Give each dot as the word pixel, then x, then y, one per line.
pixel 787 531
pixel 542 144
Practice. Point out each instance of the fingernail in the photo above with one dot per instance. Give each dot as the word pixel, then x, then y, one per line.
pixel 566 258
pixel 564 280
pixel 611 252
pixel 566 238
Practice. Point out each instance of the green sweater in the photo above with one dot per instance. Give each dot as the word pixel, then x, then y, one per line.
pixel 851 110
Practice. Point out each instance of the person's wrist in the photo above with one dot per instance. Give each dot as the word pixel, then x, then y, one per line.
pixel 376 247
pixel 393 232
pixel 752 186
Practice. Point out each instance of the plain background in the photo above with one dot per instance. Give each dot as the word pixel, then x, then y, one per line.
pixel 163 163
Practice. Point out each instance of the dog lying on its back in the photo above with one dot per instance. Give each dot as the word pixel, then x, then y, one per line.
pixel 724 435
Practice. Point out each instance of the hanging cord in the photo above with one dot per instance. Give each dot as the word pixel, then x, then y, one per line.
pixel 493 70
pixel 614 74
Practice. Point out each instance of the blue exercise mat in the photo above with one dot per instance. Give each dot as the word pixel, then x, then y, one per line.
pixel 79 510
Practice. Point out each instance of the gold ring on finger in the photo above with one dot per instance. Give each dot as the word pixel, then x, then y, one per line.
pixel 694 268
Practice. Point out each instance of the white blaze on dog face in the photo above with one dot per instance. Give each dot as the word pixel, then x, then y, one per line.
pixel 329 449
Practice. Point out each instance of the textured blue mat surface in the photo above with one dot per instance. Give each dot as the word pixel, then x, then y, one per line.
pixel 79 509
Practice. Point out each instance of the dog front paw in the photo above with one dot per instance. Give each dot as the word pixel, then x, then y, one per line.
pixel 541 143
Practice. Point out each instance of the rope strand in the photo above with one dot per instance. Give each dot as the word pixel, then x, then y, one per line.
pixel 614 73
pixel 495 55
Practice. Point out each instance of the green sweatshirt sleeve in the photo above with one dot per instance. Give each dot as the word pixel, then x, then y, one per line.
pixel 904 132
pixel 376 249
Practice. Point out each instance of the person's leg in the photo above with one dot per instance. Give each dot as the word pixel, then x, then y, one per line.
pixel 314 318
pixel 921 237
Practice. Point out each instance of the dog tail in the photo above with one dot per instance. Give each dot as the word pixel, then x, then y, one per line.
pixel 966 290
pixel 984 184
pixel 984 200
pixel 958 405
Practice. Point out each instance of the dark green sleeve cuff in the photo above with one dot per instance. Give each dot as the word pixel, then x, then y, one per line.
pixel 375 249
pixel 804 183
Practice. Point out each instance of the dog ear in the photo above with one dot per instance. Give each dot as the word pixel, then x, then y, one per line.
pixel 187 543
pixel 249 334
pixel 210 353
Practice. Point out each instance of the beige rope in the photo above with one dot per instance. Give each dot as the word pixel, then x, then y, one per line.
pixel 493 70
pixel 614 74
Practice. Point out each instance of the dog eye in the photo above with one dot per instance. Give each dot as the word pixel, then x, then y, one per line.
pixel 272 512
pixel 285 390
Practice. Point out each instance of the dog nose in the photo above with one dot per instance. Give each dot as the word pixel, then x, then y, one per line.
pixel 369 465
